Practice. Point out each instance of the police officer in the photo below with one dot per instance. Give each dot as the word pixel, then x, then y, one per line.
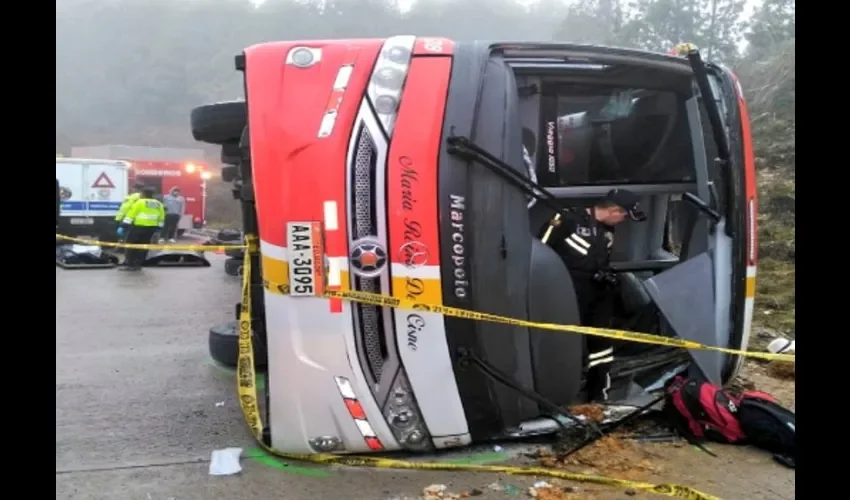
pixel 144 218
pixel 584 243
pixel 126 203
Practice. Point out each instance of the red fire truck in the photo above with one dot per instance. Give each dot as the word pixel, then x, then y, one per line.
pixel 163 169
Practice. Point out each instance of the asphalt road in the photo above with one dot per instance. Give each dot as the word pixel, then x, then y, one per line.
pixel 140 407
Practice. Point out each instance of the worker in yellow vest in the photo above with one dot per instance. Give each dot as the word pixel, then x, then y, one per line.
pixel 125 205
pixel 144 218
pixel 128 200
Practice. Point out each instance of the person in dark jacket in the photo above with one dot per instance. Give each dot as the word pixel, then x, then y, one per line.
pixel 584 244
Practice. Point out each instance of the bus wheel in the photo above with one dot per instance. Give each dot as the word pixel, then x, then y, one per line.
pixel 224 345
pixel 231 153
pixel 219 123
pixel 233 267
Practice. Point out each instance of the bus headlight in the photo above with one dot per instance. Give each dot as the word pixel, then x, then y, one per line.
pixel 190 168
pixel 403 416
pixel 387 81
pixel 206 175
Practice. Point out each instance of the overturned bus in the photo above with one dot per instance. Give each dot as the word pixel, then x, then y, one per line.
pixel 349 148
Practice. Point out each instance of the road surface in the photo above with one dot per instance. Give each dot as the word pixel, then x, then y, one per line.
pixel 140 407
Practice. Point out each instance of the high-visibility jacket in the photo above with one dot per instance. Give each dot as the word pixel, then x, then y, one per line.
pixel 125 205
pixel 145 212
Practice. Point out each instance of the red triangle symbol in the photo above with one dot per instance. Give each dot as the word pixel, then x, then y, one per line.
pixel 103 181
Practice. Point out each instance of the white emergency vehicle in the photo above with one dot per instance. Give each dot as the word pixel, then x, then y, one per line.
pixel 90 194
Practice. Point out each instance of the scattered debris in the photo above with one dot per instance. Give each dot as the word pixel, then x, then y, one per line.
pixel 781 345
pixel 511 490
pixel 495 487
pixel 434 490
pixel 544 491
pixel 440 492
pixel 225 462
pixel 592 412
pixel 610 455
pixel 219 404
pixel 498 448
pixel 783 370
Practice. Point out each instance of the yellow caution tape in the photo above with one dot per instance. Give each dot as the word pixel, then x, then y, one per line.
pixel 247 388
pixel 643 338
pixel 140 246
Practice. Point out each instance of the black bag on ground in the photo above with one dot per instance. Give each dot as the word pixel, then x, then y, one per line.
pixel 769 426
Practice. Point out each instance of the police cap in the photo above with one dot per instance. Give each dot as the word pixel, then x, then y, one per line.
pixel 628 201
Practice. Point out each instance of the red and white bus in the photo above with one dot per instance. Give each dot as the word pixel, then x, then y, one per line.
pixel 400 162
pixel 163 169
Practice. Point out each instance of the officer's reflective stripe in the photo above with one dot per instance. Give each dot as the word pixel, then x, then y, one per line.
pixel 144 216
pixel 575 246
pixel 595 362
pixel 602 353
pixel 128 220
pixel 581 241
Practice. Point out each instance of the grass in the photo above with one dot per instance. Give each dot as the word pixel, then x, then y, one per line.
pixel 776 296
pixel 775 283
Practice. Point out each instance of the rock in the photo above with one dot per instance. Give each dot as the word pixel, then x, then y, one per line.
pixel 764 333
pixel 434 490
pixel 630 492
pixel 475 492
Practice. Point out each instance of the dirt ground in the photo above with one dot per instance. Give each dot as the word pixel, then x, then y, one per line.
pixel 140 408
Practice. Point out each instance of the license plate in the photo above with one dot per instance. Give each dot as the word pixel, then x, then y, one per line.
pixel 82 221
pixel 306 259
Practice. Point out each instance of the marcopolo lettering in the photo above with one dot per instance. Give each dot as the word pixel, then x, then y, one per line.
pixel 457 214
pixel 415 325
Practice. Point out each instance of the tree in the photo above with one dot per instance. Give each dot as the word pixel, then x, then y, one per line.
pixel 773 24
pixel 715 26
pixel 596 21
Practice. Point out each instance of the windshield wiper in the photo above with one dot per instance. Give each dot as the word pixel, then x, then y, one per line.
pixel 717 129
pixel 463 147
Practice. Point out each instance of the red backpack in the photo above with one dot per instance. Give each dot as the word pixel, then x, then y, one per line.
pixel 703 411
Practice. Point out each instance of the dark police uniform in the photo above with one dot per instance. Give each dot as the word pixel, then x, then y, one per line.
pixel 585 247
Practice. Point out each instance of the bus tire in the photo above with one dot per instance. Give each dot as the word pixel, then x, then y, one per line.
pixel 233 267
pixel 231 153
pixel 219 123
pixel 224 346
